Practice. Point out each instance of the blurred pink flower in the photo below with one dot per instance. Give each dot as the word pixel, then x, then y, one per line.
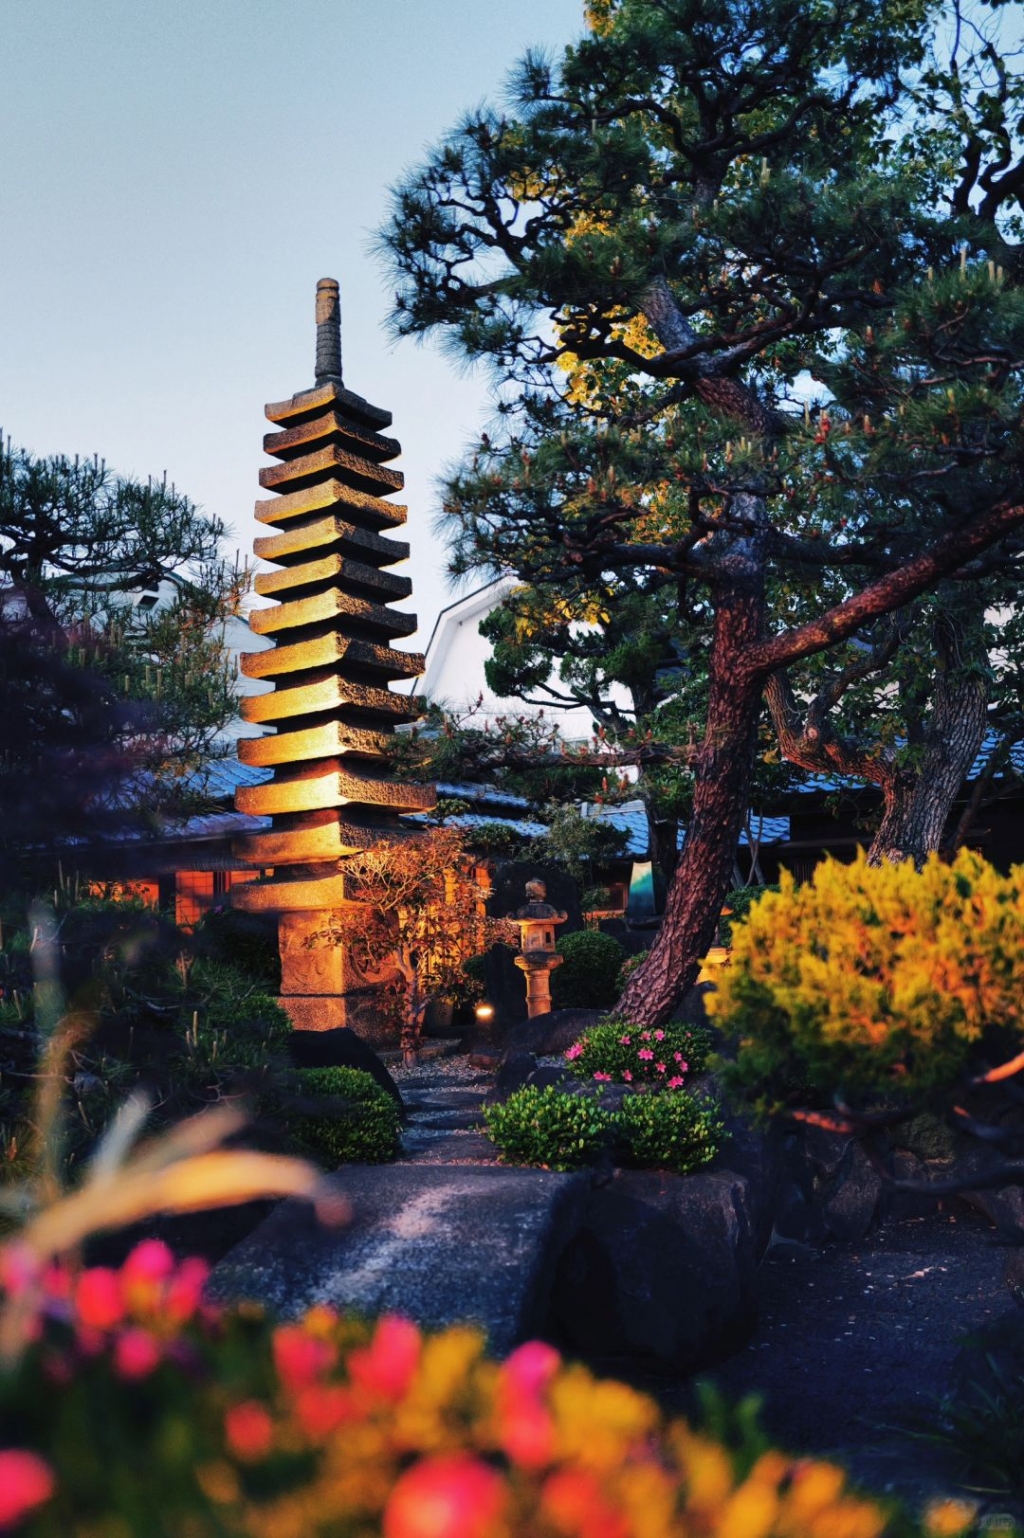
pixel 136 1353
pixel 627 1075
pixel 19 1268
pixel 605 1077
pixel 450 1495
pixel 660 1067
pixel 625 1041
pixel 25 1482
pixel 299 1357
pixel 144 1273
pixel 185 1289
pixel 249 1431
pixel 99 1303
pixel 645 1035
pixel 387 1365
pixel 645 1055
pixel 321 1408
pixel 674 1083
pixel 576 1050
pixel 531 1367
pixel 659 1035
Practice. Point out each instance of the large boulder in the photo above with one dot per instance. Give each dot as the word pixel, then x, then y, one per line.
pixel 341 1048
pixel 755 1153
pixel 552 1033
pixel 661 1274
pixel 440 1244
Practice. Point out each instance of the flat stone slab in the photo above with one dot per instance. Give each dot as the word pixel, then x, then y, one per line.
pixel 439 1244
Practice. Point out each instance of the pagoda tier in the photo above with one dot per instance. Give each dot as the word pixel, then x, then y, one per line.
pixel 331 711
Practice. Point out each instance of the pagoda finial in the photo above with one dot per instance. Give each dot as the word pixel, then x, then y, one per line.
pixel 328 331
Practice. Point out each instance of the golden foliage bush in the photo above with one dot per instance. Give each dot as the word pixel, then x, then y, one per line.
pixel 875 981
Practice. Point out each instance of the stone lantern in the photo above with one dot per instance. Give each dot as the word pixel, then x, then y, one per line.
pixel 538 958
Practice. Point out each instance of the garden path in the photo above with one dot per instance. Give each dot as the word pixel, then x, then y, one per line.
pixel 851 1339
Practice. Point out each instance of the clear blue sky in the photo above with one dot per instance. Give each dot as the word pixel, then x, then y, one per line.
pixel 176 177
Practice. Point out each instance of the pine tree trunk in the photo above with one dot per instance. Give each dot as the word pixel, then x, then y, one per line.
pixel 919 801
pixel 703 874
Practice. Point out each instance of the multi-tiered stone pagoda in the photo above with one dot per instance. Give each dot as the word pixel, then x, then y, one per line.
pixel 331 666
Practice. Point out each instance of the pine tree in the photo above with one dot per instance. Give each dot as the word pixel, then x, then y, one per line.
pixel 108 707
pixel 698 209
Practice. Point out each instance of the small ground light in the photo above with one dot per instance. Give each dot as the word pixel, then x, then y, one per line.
pixel 484 1012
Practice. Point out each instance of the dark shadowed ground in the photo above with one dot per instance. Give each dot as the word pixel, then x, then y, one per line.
pixel 852 1338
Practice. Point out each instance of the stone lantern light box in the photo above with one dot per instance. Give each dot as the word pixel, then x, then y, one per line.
pixel 537 921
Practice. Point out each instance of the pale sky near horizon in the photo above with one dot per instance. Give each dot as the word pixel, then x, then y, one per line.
pixel 177 176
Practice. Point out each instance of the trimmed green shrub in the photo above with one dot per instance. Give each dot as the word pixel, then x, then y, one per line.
pixel 359 1123
pixel 618 1051
pixel 629 966
pixel 588 976
pixel 549 1127
pixel 674 1131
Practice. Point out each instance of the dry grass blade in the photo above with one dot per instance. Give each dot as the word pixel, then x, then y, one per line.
pixel 218 1179
pixel 117 1140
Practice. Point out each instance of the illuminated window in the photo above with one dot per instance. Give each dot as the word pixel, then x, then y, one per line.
pixel 193 896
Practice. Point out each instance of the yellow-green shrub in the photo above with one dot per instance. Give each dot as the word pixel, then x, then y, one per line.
pixel 875 981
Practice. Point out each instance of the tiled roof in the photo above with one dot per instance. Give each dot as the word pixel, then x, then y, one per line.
pixel 488 794
pixel 830 782
pixel 632 819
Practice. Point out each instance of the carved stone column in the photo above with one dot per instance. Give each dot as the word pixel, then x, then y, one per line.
pixel 331 707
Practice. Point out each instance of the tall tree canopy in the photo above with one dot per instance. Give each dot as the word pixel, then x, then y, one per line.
pixel 747 279
pixel 107 706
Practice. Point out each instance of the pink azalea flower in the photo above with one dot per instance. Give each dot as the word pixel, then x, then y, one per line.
pixel 645 1055
pixel 678 1056
pixel 531 1367
pixel 576 1050
pixel 300 1358
pixel 446 1495
pixel 604 1077
pixel 136 1354
pixel 675 1082
pixel 25 1482
pixel 144 1275
pixel 659 1035
pixel 683 1066
pixel 645 1035
pixel 98 1300
pixel 388 1364
pixel 624 1041
pixel 185 1289
pixel 660 1067
pixel 248 1430
pixel 627 1075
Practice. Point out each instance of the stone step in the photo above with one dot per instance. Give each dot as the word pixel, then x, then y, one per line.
pixel 441 1245
pixel 445 1120
pixel 438 1148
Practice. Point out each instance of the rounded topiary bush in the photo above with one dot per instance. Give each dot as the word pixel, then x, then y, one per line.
pixel 877 982
pixel 674 1131
pixel 589 974
pixel 359 1123
pixel 548 1127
